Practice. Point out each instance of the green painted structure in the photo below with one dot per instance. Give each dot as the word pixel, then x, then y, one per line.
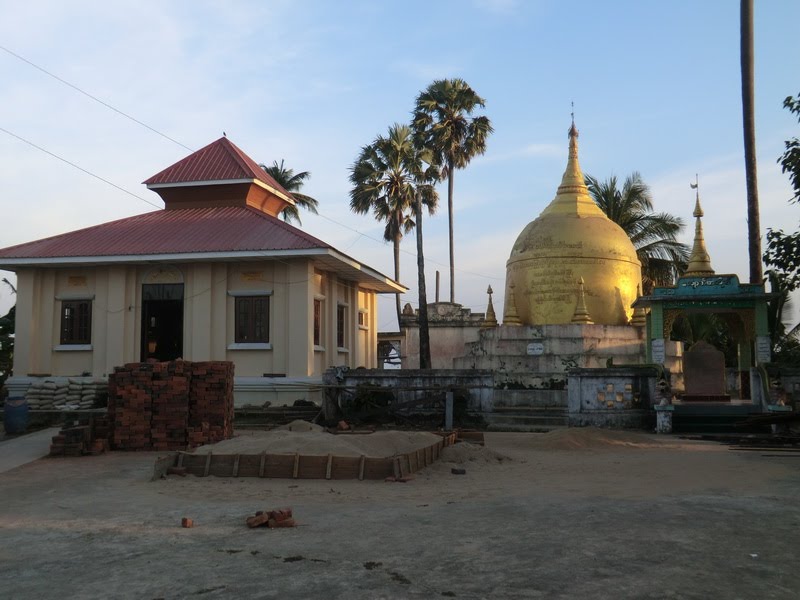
pixel 743 307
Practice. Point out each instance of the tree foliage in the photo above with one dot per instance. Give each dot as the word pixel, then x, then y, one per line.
pixel 654 235
pixel 386 178
pixel 292 182
pixel 782 255
pixel 790 159
pixel 7 339
pixel 443 123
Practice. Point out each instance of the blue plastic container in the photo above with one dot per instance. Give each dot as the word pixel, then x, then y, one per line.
pixel 15 415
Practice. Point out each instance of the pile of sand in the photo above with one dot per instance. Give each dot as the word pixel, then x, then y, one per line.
pixel 300 425
pixel 321 443
pixel 471 454
pixel 590 438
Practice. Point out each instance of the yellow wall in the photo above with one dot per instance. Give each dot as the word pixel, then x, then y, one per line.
pixel 209 297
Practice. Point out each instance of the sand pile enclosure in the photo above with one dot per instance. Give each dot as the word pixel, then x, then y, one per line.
pixel 304 451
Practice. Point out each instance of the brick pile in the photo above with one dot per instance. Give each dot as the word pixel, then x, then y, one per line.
pixel 171 400
pixel 171 405
pixel 90 437
pixel 210 420
pixel 130 406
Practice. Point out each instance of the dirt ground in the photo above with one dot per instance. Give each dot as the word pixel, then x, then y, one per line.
pixel 574 514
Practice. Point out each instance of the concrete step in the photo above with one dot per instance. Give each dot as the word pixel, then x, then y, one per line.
pixel 713 418
pixel 525 419
pixel 534 398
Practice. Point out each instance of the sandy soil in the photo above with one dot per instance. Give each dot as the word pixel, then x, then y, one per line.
pixel 317 442
pixel 570 514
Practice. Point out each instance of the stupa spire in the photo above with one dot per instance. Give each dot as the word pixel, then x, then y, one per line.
pixel 511 317
pixel 490 320
pixel 573 196
pixel 639 318
pixel 581 314
pixel 699 260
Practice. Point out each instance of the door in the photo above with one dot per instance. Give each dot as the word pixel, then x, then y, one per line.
pixel 162 321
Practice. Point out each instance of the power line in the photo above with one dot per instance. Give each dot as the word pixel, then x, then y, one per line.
pixel 408 252
pixel 165 136
pixel 72 164
pixel 95 98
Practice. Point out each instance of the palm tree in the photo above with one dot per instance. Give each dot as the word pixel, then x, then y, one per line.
pixel 443 124
pixel 388 179
pixel 292 182
pixel 749 122
pixel 654 235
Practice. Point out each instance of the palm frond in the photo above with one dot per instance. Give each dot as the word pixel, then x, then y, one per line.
pixel 292 182
pixel 654 235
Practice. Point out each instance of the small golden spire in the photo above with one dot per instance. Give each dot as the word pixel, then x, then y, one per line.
pixel 699 260
pixel 581 314
pixel 639 318
pixel 511 317
pixel 490 320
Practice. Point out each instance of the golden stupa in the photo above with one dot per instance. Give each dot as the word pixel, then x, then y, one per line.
pixel 572 240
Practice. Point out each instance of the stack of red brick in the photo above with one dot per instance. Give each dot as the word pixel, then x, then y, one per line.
pixel 209 419
pixel 171 405
pixel 74 439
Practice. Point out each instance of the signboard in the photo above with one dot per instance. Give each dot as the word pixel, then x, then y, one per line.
pixel 657 347
pixel 763 349
pixel 535 349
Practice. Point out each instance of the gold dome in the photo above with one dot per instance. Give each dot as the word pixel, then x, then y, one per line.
pixel 570 240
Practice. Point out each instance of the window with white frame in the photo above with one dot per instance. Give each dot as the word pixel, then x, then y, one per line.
pixel 341 325
pixel 317 321
pixel 252 320
pixel 76 322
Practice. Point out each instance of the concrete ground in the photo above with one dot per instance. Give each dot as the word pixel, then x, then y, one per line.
pixel 694 520
pixel 18 450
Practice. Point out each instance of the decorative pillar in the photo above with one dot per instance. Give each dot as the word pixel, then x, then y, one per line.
pixel 657 352
pixel 745 358
pixel 763 340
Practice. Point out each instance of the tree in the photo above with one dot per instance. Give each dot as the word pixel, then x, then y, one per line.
pixel 782 255
pixel 443 123
pixel 654 235
pixel 7 339
pixel 292 182
pixel 388 179
pixel 749 126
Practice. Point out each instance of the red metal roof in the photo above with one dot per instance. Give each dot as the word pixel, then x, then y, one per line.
pixel 219 161
pixel 191 230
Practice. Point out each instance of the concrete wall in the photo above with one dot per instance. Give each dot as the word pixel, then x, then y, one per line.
pixel 614 397
pixel 411 384
pixel 451 328
pixel 539 357
pixel 210 290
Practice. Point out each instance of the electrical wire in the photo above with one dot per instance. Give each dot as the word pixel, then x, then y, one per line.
pixel 95 98
pixel 164 135
pixel 72 164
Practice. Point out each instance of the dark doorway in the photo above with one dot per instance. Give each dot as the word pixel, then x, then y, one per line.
pixel 162 321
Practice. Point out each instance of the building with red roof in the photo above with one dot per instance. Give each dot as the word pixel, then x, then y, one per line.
pixel 215 275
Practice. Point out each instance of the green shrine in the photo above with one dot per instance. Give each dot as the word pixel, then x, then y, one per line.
pixel 742 306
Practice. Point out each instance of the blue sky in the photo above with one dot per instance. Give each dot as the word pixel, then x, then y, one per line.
pixel 656 88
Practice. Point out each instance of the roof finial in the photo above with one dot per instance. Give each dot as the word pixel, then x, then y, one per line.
pixel 510 316
pixel 639 318
pixel 490 320
pixel 699 260
pixel 581 314
pixel 573 131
